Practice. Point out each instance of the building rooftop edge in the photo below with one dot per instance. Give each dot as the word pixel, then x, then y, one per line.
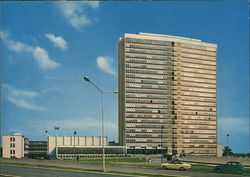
pixel 171 36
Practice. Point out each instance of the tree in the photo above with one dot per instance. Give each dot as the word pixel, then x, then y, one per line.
pixel 227 151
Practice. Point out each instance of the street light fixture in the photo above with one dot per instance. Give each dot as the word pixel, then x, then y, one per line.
pixel 103 148
pixel 46 134
pixel 74 145
pixel 56 128
pixel 162 127
pixel 102 93
pixel 227 145
pixel 227 140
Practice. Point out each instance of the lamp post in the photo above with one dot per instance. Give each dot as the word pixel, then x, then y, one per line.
pixel 46 140
pixel 56 128
pixel 74 145
pixel 227 140
pixel 162 143
pixel 46 134
pixel 103 148
pixel 227 144
pixel 102 93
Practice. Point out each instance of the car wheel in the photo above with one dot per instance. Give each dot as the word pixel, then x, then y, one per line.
pixel 240 172
pixel 182 169
pixel 218 170
pixel 164 167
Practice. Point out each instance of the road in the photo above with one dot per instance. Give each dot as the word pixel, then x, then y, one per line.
pixel 20 171
pixel 117 168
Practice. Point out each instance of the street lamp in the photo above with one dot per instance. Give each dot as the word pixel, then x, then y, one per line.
pixel 46 134
pixel 56 128
pixel 227 145
pixel 227 140
pixel 103 148
pixel 102 93
pixel 162 143
pixel 74 145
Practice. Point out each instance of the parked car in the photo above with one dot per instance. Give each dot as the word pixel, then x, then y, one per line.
pixel 230 167
pixel 176 164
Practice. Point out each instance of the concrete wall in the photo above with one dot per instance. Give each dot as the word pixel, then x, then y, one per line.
pixel 14 144
pixel 219 150
pixel 71 141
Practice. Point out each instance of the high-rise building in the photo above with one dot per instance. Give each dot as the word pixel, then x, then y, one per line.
pixel 167 94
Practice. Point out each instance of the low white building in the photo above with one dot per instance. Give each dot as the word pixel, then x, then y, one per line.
pixel 17 146
pixel 56 142
pixel 220 148
pixel 13 146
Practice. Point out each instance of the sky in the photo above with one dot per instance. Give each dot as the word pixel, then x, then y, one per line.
pixel 47 47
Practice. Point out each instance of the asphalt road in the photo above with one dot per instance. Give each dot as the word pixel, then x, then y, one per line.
pixel 20 171
pixel 62 164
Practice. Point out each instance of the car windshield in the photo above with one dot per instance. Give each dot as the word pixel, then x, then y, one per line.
pixel 233 163
pixel 177 162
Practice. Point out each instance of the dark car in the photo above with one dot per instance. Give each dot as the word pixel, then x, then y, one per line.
pixel 230 167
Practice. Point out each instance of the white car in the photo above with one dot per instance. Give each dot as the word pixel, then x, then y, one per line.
pixel 176 165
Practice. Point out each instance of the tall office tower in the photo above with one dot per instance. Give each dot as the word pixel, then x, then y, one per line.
pixel 167 94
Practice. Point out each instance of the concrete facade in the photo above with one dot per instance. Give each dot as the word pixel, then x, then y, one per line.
pixel 54 142
pixel 167 93
pixel 13 146
pixel 220 148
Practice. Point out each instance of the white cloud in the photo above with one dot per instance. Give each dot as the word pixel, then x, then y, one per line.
pixel 87 126
pixel 39 54
pixel 42 57
pixel 19 93
pixel 57 41
pixel 24 104
pixel 21 98
pixel 105 64
pixel 233 125
pixel 82 123
pixel 84 126
pixel 93 4
pixel 15 45
pixel 74 12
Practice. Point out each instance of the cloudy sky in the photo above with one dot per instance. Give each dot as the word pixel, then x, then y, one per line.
pixel 47 47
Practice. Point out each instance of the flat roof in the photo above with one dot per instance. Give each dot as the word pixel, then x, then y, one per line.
pixel 164 35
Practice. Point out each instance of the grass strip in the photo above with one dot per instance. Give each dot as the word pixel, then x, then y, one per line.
pixel 89 170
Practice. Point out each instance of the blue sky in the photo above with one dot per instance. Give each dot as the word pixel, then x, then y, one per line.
pixel 47 47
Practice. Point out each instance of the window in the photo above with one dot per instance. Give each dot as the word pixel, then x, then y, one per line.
pixel 12 145
pixel 11 151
